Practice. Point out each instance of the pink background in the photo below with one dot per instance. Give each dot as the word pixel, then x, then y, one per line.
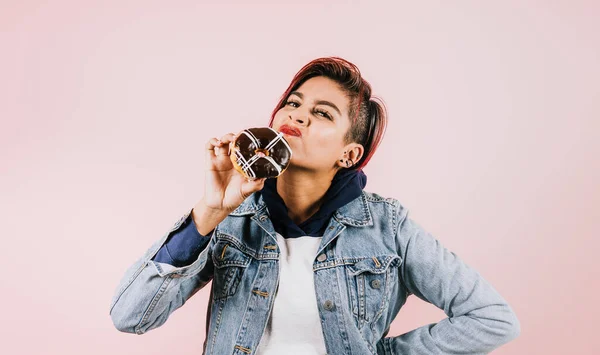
pixel 106 106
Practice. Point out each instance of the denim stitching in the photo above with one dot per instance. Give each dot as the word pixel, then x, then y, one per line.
pixel 153 303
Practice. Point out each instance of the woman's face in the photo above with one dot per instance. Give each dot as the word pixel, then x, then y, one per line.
pixel 318 109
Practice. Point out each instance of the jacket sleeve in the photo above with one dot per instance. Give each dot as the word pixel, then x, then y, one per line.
pixel 479 319
pixel 150 290
pixel 184 246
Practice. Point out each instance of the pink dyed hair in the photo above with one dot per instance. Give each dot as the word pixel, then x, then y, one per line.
pixel 367 113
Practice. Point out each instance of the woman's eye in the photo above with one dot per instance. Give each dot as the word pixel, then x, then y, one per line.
pixel 319 112
pixel 324 114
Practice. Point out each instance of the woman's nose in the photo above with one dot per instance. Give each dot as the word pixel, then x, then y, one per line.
pixel 300 118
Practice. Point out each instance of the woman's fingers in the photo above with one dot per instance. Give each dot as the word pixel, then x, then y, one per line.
pixel 219 146
pixel 250 186
pixel 227 138
pixel 210 147
pixel 225 141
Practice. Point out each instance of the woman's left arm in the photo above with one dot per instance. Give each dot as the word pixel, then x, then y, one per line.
pixel 479 319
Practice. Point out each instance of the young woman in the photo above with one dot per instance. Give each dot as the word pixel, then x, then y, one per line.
pixel 309 262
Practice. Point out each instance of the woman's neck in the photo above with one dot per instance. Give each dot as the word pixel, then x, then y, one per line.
pixel 302 192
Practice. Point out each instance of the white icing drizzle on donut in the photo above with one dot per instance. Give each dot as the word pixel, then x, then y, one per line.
pixel 277 139
pixel 246 166
pixel 277 166
pixel 274 141
pixel 252 137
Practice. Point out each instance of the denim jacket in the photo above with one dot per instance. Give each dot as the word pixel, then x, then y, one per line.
pixel 371 258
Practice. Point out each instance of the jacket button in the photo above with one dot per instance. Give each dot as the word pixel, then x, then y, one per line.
pixel 322 257
pixel 328 305
pixel 263 218
pixel 375 283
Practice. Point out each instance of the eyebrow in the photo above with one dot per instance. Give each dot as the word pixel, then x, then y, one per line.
pixel 318 102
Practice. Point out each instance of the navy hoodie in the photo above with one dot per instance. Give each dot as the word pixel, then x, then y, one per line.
pixel 183 247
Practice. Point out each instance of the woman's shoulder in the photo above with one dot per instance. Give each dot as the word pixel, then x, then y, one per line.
pixel 375 197
pixel 393 203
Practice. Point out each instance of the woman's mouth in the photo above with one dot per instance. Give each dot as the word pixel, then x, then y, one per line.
pixel 287 130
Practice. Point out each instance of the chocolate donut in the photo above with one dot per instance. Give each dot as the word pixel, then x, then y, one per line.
pixel 260 153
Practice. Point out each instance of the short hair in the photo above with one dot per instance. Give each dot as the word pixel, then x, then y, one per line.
pixel 367 113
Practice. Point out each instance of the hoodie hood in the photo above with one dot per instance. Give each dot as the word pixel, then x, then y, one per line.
pixel 346 186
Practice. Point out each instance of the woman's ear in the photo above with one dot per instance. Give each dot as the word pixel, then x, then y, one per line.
pixel 353 152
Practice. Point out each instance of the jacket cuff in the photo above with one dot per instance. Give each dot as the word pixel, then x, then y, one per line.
pixel 182 246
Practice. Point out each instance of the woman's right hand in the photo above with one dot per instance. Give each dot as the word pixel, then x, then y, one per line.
pixel 224 187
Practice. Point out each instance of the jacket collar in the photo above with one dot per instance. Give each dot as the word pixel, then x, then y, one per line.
pixel 355 213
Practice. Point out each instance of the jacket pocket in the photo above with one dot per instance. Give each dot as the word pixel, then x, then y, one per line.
pixel 230 264
pixel 369 283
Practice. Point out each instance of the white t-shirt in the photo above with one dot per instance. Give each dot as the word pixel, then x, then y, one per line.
pixel 294 327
